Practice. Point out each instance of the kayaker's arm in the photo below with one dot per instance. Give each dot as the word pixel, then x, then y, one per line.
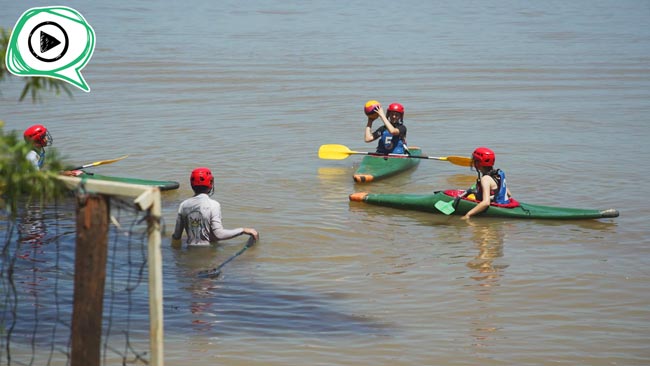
pixel 368 136
pixel 487 184
pixel 389 126
pixel 221 233
pixel 402 131
pixel 178 233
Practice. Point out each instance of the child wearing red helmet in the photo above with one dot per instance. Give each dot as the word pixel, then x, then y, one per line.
pixel 392 134
pixel 490 184
pixel 200 215
pixel 39 137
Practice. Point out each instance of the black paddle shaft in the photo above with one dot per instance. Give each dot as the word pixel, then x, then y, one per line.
pixel 215 272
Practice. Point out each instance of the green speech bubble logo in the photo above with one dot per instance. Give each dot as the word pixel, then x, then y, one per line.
pixel 53 41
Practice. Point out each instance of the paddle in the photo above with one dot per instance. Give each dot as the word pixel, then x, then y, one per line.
pixel 98 163
pixel 215 272
pixel 340 152
pixel 448 208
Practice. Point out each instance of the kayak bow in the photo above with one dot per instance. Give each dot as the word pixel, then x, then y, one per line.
pixel 374 167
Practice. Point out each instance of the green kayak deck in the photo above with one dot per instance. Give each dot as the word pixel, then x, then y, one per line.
pixel 374 167
pixel 426 203
pixel 164 185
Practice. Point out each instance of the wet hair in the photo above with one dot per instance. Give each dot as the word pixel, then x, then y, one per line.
pixel 201 189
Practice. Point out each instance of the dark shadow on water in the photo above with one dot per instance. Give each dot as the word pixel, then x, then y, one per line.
pixel 263 309
pixel 226 306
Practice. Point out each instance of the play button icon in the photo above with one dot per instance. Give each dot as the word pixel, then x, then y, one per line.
pixel 53 42
pixel 48 42
pixel 50 39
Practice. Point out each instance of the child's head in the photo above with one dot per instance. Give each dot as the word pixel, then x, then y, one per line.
pixel 38 135
pixel 201 180
pixel 483 159
pixel 395 113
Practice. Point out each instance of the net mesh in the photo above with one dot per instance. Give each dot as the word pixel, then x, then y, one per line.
pixel 37 285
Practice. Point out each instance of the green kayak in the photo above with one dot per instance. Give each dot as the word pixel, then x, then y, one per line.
pixel 375 167
pixel 426 203
pixel 164 185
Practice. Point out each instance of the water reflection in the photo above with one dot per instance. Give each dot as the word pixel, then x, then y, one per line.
pixel 489 242
pixel 489 239
pixel 334 175
pixel 189 261
pixel 36 251
pixel 335 183
pixel 35 281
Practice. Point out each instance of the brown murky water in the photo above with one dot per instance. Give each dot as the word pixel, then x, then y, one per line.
pixel 561 92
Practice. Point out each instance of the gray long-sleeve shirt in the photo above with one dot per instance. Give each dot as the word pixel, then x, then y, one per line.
pixel 200 217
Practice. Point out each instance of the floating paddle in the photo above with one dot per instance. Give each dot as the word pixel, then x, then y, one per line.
pixel 215 272
pixel 98 163
pixel 340 152
pixel 448 208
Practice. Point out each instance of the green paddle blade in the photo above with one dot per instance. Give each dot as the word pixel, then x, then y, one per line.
pixel 446 208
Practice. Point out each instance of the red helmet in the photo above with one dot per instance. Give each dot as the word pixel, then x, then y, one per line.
pixel 38 135
pixel 483 157
pixel 201 177
pixel 396 107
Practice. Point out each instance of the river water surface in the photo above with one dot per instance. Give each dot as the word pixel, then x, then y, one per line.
pixel 560 90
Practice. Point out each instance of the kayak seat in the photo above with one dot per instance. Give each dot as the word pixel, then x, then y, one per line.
pixel 457 192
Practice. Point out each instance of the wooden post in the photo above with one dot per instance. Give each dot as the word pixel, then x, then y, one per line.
pixel 150 200
pixel 89 278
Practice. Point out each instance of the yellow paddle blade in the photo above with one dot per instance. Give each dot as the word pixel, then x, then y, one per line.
pixel 102 162
pixel 334 152
pixel 460 160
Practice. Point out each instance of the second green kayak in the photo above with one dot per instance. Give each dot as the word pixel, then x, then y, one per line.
pixel 374 167
pixel 426 203
pixel 164 185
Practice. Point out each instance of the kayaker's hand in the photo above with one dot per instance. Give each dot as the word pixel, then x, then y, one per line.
pixel 465 217
pixel 373 116
pixel 72 173
pixel 380 112
pixel 252 232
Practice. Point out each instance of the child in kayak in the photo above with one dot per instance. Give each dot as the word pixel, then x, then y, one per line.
pixel 392 134
pixel 39 137
pixel 200 216
pixel 490 184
